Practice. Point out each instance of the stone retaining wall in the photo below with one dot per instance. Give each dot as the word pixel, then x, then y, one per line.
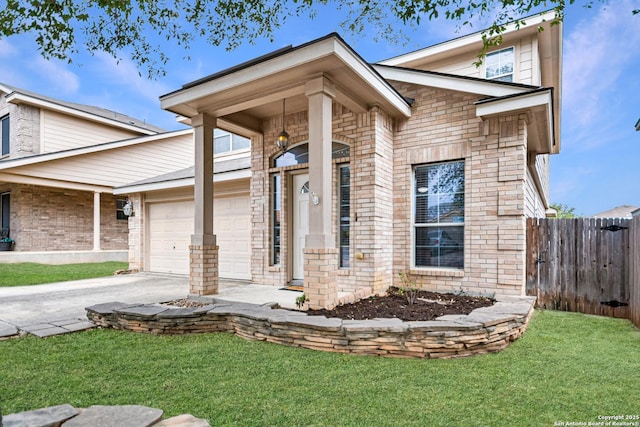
pixel 487 329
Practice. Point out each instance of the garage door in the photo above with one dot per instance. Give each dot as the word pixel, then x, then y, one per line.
pixel 231 225
pixel 170 230
pixel 171 226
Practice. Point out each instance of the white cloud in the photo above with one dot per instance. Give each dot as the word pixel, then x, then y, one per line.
pixel 126 75
pixel 7 50
pixel 56 73
pixel 595 55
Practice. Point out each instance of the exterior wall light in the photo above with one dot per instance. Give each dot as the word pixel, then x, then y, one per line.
pixel 283 137
pixel 127 209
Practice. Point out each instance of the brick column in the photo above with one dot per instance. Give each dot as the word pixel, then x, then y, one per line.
pixel 203 269
pixel 320 253
pixel 320 286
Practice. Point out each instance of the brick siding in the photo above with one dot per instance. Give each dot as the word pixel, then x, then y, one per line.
pixel 50 219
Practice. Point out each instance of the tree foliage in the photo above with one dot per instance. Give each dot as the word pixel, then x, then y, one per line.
pixel 62 28
pixel 564 211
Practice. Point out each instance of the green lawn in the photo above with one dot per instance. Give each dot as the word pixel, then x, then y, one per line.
pixel 29 273
pixel 567 367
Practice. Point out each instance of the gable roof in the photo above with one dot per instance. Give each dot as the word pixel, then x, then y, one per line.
pixel 456 82
pixel 223 170
pixel 88 112
pixel 102 166
pixel 254 90
pixel 473 41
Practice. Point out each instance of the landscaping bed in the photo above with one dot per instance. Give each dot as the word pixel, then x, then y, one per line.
pixel 395 304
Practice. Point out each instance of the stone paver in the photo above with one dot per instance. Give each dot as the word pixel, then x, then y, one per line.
pixel 45 417
pixel 57 327
pixel 99 416
pixel 116 416
pixel 143 310
pixel 185 420
pixel 7 330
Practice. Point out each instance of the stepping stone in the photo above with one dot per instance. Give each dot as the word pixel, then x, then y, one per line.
pixel 7 330
pixel 52 416
pixel 116 416
pixel 185 420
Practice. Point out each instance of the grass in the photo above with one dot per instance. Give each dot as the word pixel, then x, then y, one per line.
pixel 28 273
pixel 567 367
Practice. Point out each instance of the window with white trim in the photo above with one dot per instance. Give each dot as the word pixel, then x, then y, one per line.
pixel 499 65
pixel 5 210
pixel 438 215
pixel 5 135
pixel 225 142
pixel 344 213
pixel 276 219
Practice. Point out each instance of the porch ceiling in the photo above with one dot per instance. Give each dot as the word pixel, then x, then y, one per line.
pixel 250 93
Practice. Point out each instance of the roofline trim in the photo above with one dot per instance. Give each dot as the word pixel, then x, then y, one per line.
pixel 335 45
pixel 180 182
pixel 48 182
pixel 21 98
pixel 542 97
pixel 466 40
pixel 71 152
pixel 452 82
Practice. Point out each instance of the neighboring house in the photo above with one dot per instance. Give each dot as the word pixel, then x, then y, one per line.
pixel 624 211
pixel 59 164
pixel 422 164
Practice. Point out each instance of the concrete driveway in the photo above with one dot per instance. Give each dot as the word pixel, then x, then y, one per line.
pixel 55 308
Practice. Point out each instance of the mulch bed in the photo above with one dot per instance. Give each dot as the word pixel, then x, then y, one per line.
pixel 427 306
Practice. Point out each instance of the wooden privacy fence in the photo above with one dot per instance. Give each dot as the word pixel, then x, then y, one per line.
pixel 588 265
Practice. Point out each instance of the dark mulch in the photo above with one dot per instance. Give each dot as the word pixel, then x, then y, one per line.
pixel 427 306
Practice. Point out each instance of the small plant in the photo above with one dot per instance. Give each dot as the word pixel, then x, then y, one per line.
pixel 6 240
pixel 409 288
pixel 301 300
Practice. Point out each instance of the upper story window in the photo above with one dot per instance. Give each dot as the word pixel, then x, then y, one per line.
pixel 499 65
pixel 225 142
pixel 5 135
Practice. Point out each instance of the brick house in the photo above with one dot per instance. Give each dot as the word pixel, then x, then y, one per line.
pixel 58 165
pixel 421 164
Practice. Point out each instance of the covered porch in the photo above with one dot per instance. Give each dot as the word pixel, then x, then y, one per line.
pixel 338 114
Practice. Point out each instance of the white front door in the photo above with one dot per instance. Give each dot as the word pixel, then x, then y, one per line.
pixel 300 222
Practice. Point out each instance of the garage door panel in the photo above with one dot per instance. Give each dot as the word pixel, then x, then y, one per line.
pixel 171 226
pixel 170 229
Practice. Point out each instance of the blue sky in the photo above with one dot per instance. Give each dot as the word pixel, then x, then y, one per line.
pixel 597 169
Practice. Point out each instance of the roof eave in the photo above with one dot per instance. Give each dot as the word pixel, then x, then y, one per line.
pixel 451 82
pixel 539 105
pixel 291 61
pixel 467 41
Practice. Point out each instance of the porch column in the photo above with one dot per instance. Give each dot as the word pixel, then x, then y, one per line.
pixel 96 221
pixel 203 251
pixel 320 253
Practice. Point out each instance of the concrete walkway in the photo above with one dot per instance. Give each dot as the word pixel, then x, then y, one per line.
pixel 56 308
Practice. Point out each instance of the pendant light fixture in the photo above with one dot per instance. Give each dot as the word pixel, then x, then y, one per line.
pixel 283 137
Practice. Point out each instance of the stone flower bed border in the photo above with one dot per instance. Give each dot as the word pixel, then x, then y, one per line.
pixel 485 330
